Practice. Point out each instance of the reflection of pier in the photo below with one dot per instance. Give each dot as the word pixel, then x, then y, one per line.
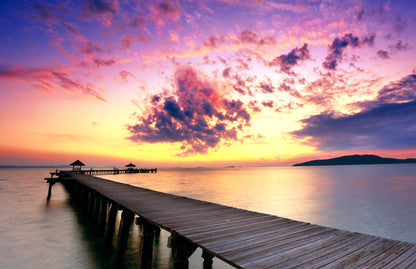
pixel 241 238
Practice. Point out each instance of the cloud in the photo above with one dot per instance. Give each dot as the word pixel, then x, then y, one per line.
pixel 165 10
pixel 251 37
pixel 102 62
pixel 399 25
pixel 64 81
pixel 383 54
pixel 385 123
pixel 48 80
pixel 336 49
pixel 197 115
pixel 214 41
pixel 399 46
pixel 89 48
pixel 126 41
pixel 287 61
pixel 69 28
pixel 124 75
pixel 43 12
pixel 101 7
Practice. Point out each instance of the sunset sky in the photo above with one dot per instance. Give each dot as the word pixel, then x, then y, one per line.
pixel 205 83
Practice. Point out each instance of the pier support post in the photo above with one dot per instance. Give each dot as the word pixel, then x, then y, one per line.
pixel 127 218
pixel 111 222
pixel 103 215
pixel 96 208
pixel 91 200
pixel 182 249
pixel 146 244
pixel 207 260
pixel 51 183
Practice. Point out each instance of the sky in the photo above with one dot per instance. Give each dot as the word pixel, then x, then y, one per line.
pixel 205 83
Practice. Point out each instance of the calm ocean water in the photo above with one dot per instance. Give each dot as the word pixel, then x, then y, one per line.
pixel 373 199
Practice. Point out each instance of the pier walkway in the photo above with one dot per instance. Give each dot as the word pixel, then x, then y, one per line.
pixel 241 238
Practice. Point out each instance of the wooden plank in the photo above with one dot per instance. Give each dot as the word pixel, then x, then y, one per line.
pixel 266 249
pixel 297 257
pixel 292 252
pixel 405 260
pixel 388 256
pixel 337 257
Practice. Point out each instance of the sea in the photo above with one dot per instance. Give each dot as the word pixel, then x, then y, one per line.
pixel 35 233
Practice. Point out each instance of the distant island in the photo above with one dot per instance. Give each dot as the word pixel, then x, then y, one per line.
pixel 356 159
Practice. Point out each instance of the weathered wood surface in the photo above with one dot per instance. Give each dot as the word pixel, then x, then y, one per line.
pixel 246 239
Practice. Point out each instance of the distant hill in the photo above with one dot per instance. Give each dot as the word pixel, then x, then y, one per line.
pixel 356 159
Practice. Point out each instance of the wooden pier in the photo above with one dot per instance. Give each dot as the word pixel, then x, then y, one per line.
pixel 241 238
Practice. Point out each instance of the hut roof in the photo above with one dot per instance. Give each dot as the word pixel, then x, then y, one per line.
pixel 77 163
pixel 130 165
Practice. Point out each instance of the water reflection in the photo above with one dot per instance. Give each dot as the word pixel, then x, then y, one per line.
pixel 373 199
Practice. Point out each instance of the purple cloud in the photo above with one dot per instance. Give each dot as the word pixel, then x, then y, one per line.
pixel 214 41
pixel 336 49
pixel 125 74
pixel 48 80
pixel 89 48
pixel 251 37
pixel 197 116
pixel 399 46
pixel 101 7
pixel 102 62
pixel 287 61
pixel 43 12
pixel 385 123
pixel 383 54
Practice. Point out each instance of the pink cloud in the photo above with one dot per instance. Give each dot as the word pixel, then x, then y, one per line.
pixel 197 116
pixel 49 80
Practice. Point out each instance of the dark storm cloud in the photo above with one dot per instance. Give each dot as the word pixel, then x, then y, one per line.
pixel 197 116
pixel 385 123
pixel 336 49
pixel 287 61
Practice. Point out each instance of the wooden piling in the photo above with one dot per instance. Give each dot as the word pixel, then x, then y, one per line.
pixel 207 264
pixel 51 183
pixel 146 244
pixel 102 219
pixel 111 222
pixel 127 218
pixel 182 249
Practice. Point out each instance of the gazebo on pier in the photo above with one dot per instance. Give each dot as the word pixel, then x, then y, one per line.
pixel 76 166
pixel 130 167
